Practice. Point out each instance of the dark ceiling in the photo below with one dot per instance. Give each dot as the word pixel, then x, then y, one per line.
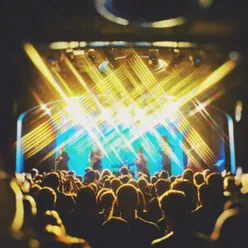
pixel 47 20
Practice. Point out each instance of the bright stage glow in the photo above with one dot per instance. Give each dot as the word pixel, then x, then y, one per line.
pixel 124 107
pixel 46 109
pixel 59 45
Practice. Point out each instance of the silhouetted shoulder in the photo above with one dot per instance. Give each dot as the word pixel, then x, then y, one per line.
pixel 115 221
pixel 160 242
pixel 173 240
pixel 114 230
pixel 147 223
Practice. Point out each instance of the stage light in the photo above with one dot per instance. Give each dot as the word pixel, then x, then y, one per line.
pixel 82 44
pixel 196 60
pixel 119 43
pixel 78 52
pixel 51 60
pixel 69 50
pixel 153 57
pixel 177 59
pixel 182 44
pixel 143 44
pixel 234 56
pixel 92 55
pixel 60 45
pixel 238 111
pixel 69 53
pixel 46 109
pixel 200 107
pixel 169 44
pixel 167 23
pixel 49 112
pixel 161 66
pixel 99 43
pixel 73 44
pixel 109 55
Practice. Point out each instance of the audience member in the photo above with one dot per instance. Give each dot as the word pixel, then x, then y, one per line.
pixel 175 209
pixel 143 186
pixel 203 218
pixel 188 174
pixel 106 200
pixel 60 209
pixel 162 186
pixel 230 229
pixel 115 184
pixel 141 232
pixel 84 221
pixel 198 179
pixel 188 188
pixel 164 174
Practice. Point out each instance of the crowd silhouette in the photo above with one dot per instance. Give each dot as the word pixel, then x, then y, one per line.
pixel 61 209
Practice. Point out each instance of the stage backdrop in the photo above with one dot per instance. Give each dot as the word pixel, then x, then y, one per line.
pixel 121 145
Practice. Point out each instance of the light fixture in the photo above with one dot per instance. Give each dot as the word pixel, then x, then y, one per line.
pixel 92 55
pixel 153 57
pixel 196 60
pixel 120 13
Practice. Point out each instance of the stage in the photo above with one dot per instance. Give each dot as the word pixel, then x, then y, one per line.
pixel 121 148
pixel 123 99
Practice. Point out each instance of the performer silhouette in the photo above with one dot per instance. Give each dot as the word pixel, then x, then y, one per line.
pixel 166 162
pixel 141 162
pixel 95 158
pixel 62 159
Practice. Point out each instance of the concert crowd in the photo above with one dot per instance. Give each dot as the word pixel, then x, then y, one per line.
pixel 100 209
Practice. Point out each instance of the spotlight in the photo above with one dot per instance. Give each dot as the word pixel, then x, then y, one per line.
pixel 109 55
pixel 79 57
pixel 47 110
pixel 92 55
pixel 153 57
pixel 69 54
pixel 51 60
pixel 196 60
pixel 78 52
pixel 176 60
pixel 69 50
